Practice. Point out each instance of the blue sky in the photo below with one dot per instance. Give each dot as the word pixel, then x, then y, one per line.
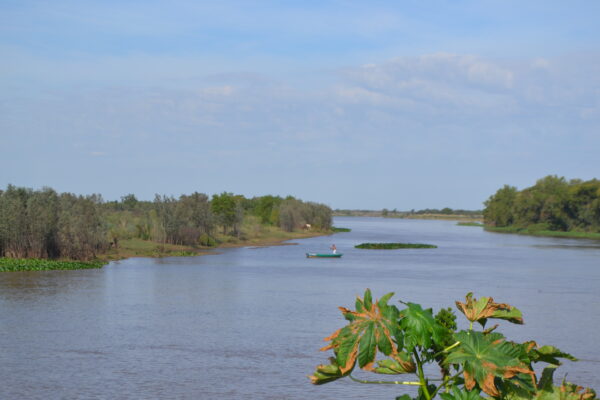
pixel 410 104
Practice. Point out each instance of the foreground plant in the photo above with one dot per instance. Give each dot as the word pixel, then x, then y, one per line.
pixel 473 364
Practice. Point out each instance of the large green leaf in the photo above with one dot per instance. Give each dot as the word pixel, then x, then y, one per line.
pixel 484 308
pixel 550 354
pixel 485 358
pixel 401 364
pixel 546 390
pixel 420 327
pixel 461 394
pixel 566 391
pixel 368 345
pixel 327 373
pixel 372 327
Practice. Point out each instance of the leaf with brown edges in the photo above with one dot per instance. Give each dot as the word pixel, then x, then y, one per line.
pixel 372 328
pixel 484 308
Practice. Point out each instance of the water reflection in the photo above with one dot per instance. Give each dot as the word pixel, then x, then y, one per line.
pixel 249 322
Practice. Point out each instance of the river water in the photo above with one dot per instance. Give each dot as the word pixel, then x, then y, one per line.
pixel 248 323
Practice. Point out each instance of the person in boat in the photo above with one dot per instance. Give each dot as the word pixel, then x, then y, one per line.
pixel 333 249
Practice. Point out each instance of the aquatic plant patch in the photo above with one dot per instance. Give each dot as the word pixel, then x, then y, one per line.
pixel 35 264
pixel 393 246
pixel 336 229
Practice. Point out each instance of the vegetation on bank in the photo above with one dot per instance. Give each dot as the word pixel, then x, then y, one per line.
pixel 552 207
pixel 336 229
pixel 44 224
pixel 392 246
pixel 474 364
pixel 428 213
pixel 547 233
pixel 35 264
pixel 470 224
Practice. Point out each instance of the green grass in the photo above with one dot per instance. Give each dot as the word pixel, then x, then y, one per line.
pixel 391 246
pixel 146 248
pixel 547 233
pixel 34 264
pixel 336 229
pixel 469 224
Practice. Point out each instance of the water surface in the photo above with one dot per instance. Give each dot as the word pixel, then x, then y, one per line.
pixel 248 323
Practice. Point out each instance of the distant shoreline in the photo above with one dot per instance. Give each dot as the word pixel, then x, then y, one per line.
pixel 378 214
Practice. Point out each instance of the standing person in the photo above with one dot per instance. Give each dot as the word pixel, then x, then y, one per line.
pixel 333 249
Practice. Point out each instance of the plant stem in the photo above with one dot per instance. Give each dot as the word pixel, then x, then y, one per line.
pixel 446 382
pixel 446 349
pixel 385 382
pixel 421 375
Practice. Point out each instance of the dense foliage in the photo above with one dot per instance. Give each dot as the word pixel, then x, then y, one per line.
pixel 382 339
pixel 45 224
pixel 392 246
pixel 553 204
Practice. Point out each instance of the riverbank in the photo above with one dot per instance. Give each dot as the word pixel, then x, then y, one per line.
pixel 544 233
pixel 128 248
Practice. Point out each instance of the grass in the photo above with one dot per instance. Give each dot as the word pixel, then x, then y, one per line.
pixel 146 248
pixel 34 264
pixel 336 229
pixel 546 233
pixel 392 246
pixel 470 224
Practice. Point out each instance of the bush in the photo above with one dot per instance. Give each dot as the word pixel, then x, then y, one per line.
pixel 473 363
pixel 207 240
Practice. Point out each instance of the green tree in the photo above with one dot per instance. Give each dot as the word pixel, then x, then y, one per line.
pixel 499 207
pixel 227 211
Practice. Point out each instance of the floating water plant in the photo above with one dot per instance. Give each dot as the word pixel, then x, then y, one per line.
pixel 392 246
pixel 336 229
pixel 34 264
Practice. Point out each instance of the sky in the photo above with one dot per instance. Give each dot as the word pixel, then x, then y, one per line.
pixel 355 104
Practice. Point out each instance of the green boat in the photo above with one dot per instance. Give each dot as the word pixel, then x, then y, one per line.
pixel 323 255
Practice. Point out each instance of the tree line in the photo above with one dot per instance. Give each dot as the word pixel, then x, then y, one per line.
pixel 46 224
pixel 553 203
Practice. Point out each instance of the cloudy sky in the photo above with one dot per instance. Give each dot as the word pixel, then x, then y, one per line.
pixel 357 104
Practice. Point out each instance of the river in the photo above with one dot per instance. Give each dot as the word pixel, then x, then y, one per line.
pixel 248 322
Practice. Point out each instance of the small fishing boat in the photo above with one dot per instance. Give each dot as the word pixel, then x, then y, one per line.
pixel 323 255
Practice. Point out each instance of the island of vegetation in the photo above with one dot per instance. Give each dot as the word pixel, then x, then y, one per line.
pixel 43 229
pixel 392 246
pixel 552 207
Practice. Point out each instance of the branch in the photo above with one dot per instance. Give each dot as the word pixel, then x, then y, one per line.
pixel 384 382
pixel 447 349
pixel 446 383
pixel 422 376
